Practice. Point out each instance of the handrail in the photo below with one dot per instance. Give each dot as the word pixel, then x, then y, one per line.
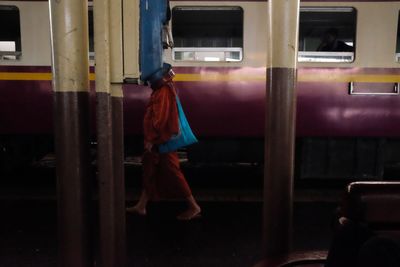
pixel 395 90
pixel 296 259
pixel 5 54
pixel 355 185
pixel 322 56
pixel 200 50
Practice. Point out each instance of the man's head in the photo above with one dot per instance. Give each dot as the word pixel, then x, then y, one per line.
pixel 168 73
pixel 162 76
pixel 330 35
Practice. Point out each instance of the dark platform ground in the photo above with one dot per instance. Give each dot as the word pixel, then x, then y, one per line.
pixel 228 234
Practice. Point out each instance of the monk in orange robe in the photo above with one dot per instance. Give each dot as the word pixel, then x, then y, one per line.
pixel 162 176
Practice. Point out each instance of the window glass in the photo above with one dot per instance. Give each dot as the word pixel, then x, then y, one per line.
pixel 398 41
pixel 91 34
pixel 207 33
pixel 10 33
pixel 327 34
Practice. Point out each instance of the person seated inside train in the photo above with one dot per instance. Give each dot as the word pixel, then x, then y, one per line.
pixel 331 43
pixel 355 245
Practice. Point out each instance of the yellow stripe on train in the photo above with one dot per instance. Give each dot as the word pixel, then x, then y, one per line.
pixel 25 76
pixel 215 77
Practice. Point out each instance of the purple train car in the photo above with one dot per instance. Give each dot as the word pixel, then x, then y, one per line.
pixel 348 102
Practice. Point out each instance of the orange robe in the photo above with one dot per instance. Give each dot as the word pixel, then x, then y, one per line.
pixel 162 176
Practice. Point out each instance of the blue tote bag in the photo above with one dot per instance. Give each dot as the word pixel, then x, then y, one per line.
pixel 185 137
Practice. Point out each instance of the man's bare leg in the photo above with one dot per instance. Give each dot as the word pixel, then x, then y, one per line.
pixel 140 207
pixel 192 212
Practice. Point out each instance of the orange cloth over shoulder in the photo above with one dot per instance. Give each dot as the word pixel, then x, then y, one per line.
pixel 161 117
pixel 162 176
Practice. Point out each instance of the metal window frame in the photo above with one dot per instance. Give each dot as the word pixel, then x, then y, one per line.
pixel 209 8
pixel 323 56
pixel 5 54
pixel 17 54
pixel 207 49
pixel 397 55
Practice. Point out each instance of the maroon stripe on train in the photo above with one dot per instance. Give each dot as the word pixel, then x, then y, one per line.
pixel 327 109
pixel 224 108
pixel 25 69
pixel 26 107
pixel 323 109
pixel 134 102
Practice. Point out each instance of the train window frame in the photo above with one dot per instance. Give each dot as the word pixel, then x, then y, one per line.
pixel 16 44
pixel 91 31
pixel 328 56
pixel 209 54
pixel 397 51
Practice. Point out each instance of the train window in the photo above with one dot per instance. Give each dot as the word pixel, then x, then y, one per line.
pixel 398 41
pixel 91 34
pixel 10 35
pixel 217 38
pixel 327 34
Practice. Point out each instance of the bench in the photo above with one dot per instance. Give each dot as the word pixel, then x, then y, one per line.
pixel 376 204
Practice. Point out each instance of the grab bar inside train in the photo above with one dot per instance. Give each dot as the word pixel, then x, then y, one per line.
pixel 353 92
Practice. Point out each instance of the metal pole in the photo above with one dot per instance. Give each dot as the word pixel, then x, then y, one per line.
pixel 280 125
pixel 70 66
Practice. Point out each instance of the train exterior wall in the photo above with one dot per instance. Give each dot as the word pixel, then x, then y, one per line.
pixel 26 103
pixel 223 102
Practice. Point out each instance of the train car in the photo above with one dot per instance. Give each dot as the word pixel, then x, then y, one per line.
pixel 348 103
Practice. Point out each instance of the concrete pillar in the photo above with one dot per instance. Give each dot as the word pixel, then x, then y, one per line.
pixel 280 125
pixel 116 78
pixel 108 56
pixel 119 174
pixel 105 176
pixel 69 32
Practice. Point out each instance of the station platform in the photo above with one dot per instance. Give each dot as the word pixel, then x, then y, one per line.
pixel 228 234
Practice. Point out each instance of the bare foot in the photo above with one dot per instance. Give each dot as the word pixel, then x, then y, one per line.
pixel 190 214
pixel 136 210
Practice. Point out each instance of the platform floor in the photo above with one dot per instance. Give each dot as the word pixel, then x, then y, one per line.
pixel 228 234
